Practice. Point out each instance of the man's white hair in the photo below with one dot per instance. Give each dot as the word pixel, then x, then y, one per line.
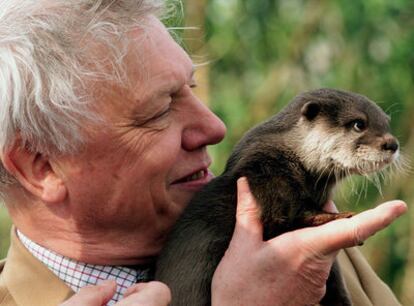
pixel 46 58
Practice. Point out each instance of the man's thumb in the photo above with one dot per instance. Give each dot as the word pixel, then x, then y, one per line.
pixel 248 212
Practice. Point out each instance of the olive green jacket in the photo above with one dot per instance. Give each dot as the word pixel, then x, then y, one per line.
pixel 25 281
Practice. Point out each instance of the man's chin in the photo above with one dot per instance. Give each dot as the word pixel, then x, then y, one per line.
pixel 182 199
pixel 183 193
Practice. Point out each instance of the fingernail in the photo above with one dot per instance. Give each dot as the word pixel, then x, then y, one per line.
pixel 241 180
pixel 107 283
pixel 399 207
pixel 242 190
pixel 402 206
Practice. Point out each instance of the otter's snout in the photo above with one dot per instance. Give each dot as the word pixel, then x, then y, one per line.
pixel 389 143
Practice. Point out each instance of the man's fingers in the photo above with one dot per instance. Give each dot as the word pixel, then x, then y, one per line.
pixel 152 293
pixel 377 219
pixel 93 295
pixel 248 212
pixel 330 237
pixel 153 286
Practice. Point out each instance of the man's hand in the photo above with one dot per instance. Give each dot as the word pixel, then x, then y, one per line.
pixel 290 269
pixel 141 294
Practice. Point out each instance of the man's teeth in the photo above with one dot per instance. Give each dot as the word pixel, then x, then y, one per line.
pixel 196 176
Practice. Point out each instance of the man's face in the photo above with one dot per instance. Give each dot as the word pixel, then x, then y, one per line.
pixel 140 170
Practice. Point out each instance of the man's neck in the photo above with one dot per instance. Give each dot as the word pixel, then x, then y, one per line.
pixel 110 248
pixel 83 240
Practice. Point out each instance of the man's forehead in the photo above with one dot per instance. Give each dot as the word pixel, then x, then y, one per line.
pixel 163 76
pixel 155 51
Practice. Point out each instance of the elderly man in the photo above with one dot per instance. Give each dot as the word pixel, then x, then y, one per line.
pixel 103 144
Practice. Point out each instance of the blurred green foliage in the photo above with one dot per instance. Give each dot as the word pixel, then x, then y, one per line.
pixel 5 225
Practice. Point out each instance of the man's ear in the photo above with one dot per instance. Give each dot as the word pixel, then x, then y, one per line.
pixel 35 173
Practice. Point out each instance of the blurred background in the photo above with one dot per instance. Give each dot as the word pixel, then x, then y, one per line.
pixel 255 56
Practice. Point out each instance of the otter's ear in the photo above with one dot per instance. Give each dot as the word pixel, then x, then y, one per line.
pixel 310 110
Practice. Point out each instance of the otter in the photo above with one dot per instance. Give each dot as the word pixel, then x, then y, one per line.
pixel 292 163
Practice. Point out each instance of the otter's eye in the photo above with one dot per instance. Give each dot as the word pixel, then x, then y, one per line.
pixel 358 125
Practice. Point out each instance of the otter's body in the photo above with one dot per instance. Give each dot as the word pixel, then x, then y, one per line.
pixel 292 162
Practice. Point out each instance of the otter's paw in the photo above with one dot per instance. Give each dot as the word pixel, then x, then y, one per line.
pixel 322 218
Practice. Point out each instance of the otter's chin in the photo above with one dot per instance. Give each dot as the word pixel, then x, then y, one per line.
pixel 368 167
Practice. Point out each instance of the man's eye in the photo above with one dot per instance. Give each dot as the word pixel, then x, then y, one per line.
pixel 148 121
pixel 162 114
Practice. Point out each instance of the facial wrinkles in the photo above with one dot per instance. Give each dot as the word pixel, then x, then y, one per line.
pixel 164 89
pixel 139 147
pixel 130 148
pixel 160 102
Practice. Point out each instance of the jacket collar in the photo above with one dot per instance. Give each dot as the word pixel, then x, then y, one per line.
pixel 29 281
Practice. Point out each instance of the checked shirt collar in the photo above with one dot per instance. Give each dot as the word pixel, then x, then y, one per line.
pixel 79 274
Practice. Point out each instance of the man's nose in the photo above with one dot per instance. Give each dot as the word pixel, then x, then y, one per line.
pixel 204 128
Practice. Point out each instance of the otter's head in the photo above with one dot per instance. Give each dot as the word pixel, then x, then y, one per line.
pixel 343 133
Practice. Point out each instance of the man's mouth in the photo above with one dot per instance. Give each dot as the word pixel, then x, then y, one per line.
pixel 193 177
pixel 196 176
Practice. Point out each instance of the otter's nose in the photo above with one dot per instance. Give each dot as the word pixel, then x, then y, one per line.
pixel 390 144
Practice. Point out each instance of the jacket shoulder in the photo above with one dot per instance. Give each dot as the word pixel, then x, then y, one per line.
pixel 5 297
